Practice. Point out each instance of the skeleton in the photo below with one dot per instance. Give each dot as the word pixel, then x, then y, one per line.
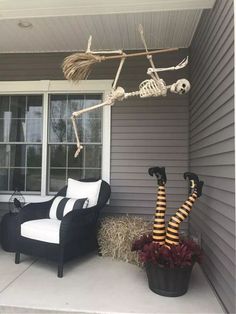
pixel 79 66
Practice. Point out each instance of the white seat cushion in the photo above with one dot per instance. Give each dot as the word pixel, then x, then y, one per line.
pixel 78 189
pixel 46 230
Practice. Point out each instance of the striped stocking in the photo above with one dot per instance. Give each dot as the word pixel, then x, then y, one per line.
pixel 159 221
pixel 172 232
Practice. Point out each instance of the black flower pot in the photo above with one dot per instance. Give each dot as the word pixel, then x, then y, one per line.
pixel 169 282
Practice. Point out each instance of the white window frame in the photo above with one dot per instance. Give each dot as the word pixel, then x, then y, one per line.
pixel 46 87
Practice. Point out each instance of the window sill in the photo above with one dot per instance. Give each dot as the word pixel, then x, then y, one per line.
pixel 28 198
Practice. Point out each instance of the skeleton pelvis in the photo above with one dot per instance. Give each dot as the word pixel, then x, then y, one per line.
pixel 149 88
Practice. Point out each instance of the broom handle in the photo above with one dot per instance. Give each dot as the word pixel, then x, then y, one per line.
pixel 137 54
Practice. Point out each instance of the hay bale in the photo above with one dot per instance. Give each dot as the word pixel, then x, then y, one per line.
pixel 116 235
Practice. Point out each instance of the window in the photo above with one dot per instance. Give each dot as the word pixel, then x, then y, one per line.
pixel 61 144
pixel 21 142
pixel 37 141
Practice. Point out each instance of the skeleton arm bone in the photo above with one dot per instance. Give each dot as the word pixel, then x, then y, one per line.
pixel 117 94
pixel 181 65
pixel 80 112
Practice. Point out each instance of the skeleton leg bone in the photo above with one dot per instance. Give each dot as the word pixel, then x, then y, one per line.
pixel 88 50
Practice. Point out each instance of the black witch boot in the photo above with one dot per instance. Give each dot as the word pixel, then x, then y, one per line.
pixel 195 184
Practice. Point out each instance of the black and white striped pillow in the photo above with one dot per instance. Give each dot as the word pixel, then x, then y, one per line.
pixel 63 205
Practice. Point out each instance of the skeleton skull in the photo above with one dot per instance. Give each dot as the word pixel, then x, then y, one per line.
pixel 181 87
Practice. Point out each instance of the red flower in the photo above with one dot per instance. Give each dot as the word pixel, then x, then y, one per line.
pixel 184 254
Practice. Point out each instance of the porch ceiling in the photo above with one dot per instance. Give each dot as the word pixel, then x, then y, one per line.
pixel 65 25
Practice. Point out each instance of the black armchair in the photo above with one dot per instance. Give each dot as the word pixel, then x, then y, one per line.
pixel 77 230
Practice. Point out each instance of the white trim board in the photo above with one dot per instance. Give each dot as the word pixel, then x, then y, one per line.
pixel 51 8
pixel 63 86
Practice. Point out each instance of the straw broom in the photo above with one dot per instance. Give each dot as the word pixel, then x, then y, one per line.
pixel 78 66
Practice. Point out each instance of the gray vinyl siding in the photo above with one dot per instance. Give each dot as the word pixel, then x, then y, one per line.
pixel 212 145
pixel 144 133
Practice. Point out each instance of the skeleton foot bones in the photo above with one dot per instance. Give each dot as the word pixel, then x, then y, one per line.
pixel 78 66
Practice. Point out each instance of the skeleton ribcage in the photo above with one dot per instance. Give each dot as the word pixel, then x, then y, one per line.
pixel 150 88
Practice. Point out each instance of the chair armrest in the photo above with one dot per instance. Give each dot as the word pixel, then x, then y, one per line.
pixel 34 211
pixel 74 223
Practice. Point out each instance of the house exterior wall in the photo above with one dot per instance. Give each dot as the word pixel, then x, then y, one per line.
pixel 144 133
pixel 212 145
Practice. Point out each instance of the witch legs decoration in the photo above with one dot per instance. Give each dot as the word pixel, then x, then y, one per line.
pixel 170 235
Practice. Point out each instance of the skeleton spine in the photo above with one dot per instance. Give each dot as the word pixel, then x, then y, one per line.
pixel 159 221
pixel 172 232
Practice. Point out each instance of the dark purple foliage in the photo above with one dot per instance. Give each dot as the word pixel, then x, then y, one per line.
pixel 139 244
pixel 184 254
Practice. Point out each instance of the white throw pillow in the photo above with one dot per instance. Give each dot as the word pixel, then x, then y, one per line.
pixel 78 189
pixel 63 205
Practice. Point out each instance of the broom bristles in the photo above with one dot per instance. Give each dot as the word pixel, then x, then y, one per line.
pixel 78 66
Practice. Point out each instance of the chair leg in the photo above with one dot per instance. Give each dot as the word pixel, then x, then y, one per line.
pixel 97 248
pixel 60 262
pixel 60 270
pixel 17 258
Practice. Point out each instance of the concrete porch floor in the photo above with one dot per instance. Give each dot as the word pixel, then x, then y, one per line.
pixel 93 285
